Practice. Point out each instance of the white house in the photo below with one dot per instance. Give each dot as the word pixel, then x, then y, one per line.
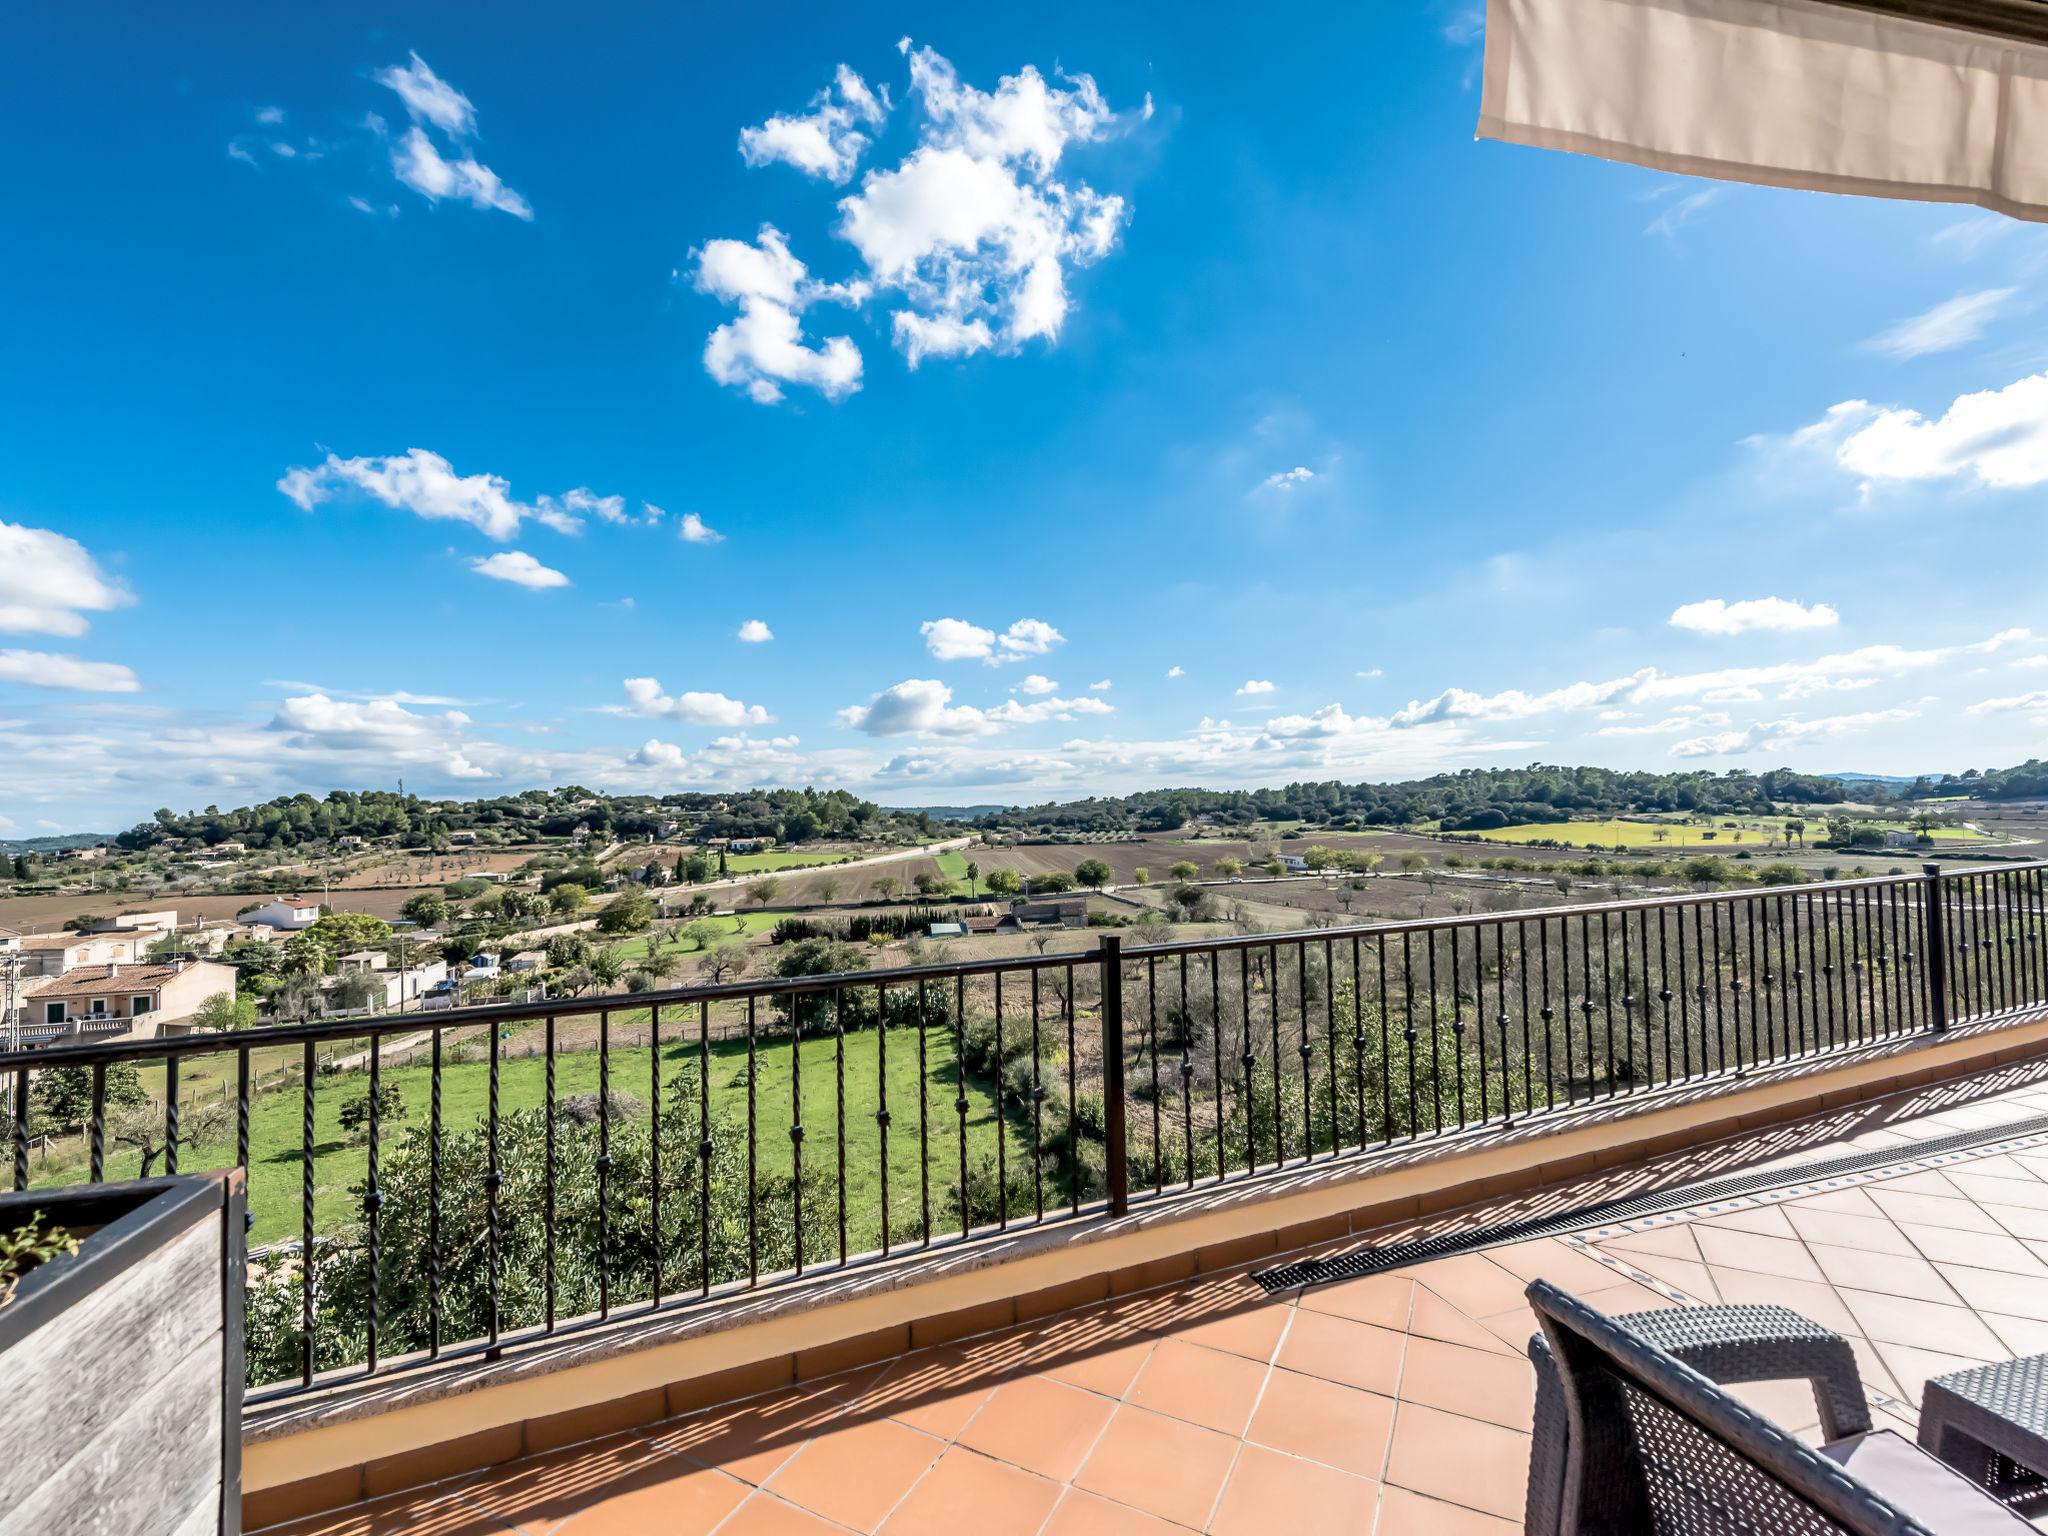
pixel 1294 863
pixel 289 913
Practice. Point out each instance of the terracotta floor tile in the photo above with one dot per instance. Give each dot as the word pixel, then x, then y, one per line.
pixel 1269 1492
pixel 1160 1465
pixel 1910 1367
pixel 1514 1328
pixel 1203 1386
pixel 857 1473
pixel 1437 1454
pixel 1813 1300
pixel 1757 1253
pixel 1625 1297
pixel 969 1492
pixel 1979 1250
pixel 1039 1424
pixel 766 1515
pixel 1336 1425
pixel 540 1491
pixel 1993 1290
pixel 1674 1242
pixel 1470 1382
pixel 936 1391
pixel 1839 1229
pixel 1549 1259
pixel 1108 1366
pixel 1085 1514
pixel 1936 1211
pixel 1409 1514
pixel 750 1439
pixel 1687 1275
pixel 1764 1220
pixel 1922 1324
pixel 1434 1318
pixel 1895 1274
pixel 1251 1331
pixel 672 1496
pixel 1356 1354
pixel 1472 1283
pixel 430 1512
pixel 1379 1299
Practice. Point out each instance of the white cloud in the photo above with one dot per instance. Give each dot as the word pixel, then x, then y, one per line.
pixel 1717 616
pixel 755 632
pixel 416 162
pixel 1970 234
pixel 958 640
pixel 1997 437
pixel 270 117
pixel 644 697
pixel 826 141
pixel 426 485
pixel 1950 324
pixel 2037 700
pixel 694 530
pixel 519 568
pixel 1683 212
pixel 972 228
pixel 1038 683
pixel 764 348
pixel 1176 671
pixel 1371 672
pixel 1103 686
pixel 918 706
pixel 1670 725
pixel 1255 685
pixel 1287 479
pixel 239 151
pixel 1783 735
pixel 44 669
pixel 49 582
pixel 428 98
pixel 1330 720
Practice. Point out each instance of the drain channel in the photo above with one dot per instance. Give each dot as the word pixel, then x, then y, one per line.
pixel 1385 1256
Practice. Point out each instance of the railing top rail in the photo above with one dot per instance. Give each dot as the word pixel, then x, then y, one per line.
pixel 907 977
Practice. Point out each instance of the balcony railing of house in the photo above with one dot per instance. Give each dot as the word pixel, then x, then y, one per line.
pixel 578 1159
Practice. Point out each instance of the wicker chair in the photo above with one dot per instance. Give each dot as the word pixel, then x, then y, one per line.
pixel 1634 1435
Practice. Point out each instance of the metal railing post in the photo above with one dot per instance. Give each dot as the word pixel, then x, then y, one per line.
pixel 1113 1074
pixel 1937 947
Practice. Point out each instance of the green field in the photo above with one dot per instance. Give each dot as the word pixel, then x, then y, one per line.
pixel 953 865
pixel 275 1133
pixel 749 925
pixel 776 859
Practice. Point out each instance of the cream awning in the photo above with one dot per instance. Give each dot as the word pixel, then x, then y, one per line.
pixel 1834 97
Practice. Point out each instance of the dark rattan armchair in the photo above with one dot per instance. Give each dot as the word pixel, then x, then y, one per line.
pixel 1634 1434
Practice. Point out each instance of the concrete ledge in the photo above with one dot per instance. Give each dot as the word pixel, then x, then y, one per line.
pixel 421 1424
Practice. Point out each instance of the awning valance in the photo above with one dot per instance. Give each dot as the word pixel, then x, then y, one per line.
pixel 1829 96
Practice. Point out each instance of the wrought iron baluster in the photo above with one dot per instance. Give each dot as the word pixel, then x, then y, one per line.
pixel 99 1122
pixel 434 1200
pixel 1187 1067
pixel 882 1103
pixel 550 1173
pixel 308 1254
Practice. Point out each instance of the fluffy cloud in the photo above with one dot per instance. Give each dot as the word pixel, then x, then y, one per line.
pixel 1287 479
pixel 1176 671
pixel 1998 438
pixel 45 669
pixel 755 632
pixel 1256 685
pixel 1670 725
pixel 1038 683
pixel 918 706
pixel 426 485
pixel 958 640
pixel 1330 720
pixel 2037 700
pixel 519 568
pixel 1953 323
pixel 694 530
pixel 644 697
pixel 1101 686
pixel 765 347
pixel 1783 735
pixel 826 141
pixel 1718 616
pixel 419 163
pixel 49 582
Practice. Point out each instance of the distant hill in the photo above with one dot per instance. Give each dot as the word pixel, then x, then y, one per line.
pixel 1896 780
pixel 950 812
pixel 55 843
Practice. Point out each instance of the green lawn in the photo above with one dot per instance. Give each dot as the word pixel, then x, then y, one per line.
pixel 953 865
pixel 275 1138
pixel 777 859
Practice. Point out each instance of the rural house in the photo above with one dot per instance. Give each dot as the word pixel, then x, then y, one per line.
pixel 113 1000
pixel 290 913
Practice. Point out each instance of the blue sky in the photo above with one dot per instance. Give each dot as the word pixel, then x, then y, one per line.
pixel 441 401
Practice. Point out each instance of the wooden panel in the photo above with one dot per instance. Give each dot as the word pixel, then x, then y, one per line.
pixel 147 1469
pixel 89 1363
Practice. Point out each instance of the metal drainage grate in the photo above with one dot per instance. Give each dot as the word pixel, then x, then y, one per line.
pixel 1386 1256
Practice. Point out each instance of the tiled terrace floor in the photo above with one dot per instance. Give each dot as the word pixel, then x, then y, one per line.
pixel 1394 1404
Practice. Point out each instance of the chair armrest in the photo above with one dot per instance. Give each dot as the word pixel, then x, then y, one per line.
pixel 1729 1344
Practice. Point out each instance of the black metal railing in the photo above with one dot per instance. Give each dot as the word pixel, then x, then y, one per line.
pixel 466 1180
